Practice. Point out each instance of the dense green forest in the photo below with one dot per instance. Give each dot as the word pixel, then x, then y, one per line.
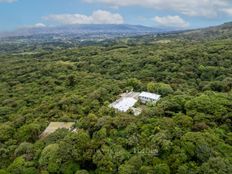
pixel 187 132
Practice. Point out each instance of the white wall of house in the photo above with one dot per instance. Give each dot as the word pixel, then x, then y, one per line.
pixel 146 97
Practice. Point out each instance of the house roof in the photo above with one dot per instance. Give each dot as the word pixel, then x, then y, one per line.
pixel 150 95
pixel 124 104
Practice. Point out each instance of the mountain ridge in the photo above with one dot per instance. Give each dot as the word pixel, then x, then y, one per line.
pixel 85 29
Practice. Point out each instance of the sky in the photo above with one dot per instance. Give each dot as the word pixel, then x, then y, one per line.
pixel 179 14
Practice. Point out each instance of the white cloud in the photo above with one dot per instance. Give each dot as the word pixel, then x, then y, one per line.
pixel 39 25
pixel 206 8
pixel 97 17
pixel 7 1
pixel 228 11
pixel 171 21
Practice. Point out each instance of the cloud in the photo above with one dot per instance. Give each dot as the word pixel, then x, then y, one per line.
pixel 228 11
pixel 171 21
pixel 39 25
pixel 7 1
pixel 97 17
pixel 205 8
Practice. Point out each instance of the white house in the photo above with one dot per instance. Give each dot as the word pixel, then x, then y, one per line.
pixel 128 100
pixel 149 97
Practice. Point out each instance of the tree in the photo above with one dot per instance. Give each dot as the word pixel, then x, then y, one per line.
pixel 183 121
pixel 188 168
pixel 132 165
pixel 134 83
pixel 28 132
pixel 71 80
pixel 82 172
pixel 69 167
pixel 50 159
pixel 25 149
pixel 6 132
pixel 19 166
pixel 202 146
pixel 108 159
pixel 216 165
pixel 162 169
pixel 209 103
pixel 160 88
pixel 151 87
pixel 75 146
pixel 127 169
pixel 2 171
pixel 146 170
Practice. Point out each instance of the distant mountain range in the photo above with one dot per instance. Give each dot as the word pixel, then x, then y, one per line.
pixel 86 31
pixel 82 34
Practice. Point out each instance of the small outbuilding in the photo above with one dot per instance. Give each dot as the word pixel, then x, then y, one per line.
pixel 146 97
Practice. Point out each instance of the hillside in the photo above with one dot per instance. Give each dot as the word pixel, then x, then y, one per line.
pixel 215 32
pixel 187 131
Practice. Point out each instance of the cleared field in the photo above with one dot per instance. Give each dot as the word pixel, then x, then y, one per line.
pixel 53 126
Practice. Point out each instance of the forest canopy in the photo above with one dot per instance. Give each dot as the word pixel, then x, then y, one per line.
pixel 187 132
